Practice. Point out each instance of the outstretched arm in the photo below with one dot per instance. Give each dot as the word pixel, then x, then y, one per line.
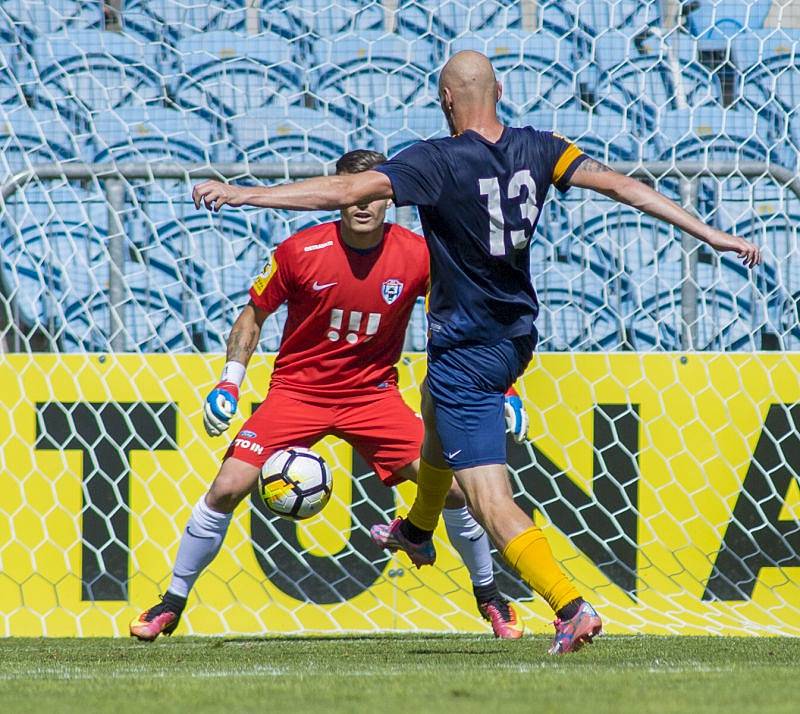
pixel 598 177
pixel 325 193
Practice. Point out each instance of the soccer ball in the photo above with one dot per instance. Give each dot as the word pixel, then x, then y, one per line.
pixel 295 483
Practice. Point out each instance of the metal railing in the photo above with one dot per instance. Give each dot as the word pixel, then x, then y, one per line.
pixel 113 174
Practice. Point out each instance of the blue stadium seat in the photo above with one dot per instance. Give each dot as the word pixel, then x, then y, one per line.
pixel 215 254
pixel 321 18
pixel 91 71
pixel 150 134
pixel 711 133
pixel 170 20
pixel 273 134
pixel 371 74
pixel 777 279
pixel 601 135
pixel 597 16
pixel 12 77
pixel 577 301
pixel 535 70
pixel 637 68
pixel 397 131
pixel 769 62
pixel 154 318
pixel 226 75
pixel 449 19
pixel 29 137
pixel 25 20
pixel 219 315
pixel 715 22
pixel 48 241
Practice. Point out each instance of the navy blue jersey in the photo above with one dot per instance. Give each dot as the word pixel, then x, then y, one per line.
pixel 479 203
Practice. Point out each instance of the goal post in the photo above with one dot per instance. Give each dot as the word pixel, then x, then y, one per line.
pixel 667 481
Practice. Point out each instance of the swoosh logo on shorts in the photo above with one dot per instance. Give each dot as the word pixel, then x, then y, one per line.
pixel 317 286
pixel 453 454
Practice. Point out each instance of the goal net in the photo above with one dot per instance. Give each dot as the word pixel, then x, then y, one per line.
pixel 664 398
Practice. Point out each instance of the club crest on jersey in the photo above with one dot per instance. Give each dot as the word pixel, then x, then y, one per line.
pixel 391 290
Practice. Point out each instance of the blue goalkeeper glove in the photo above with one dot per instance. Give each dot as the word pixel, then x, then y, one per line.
pixel 516 416
pixel 220 407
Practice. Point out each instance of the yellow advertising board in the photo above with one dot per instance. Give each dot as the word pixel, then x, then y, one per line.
pixel 667 484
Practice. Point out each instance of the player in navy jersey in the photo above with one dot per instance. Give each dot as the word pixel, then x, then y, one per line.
pixel 479 194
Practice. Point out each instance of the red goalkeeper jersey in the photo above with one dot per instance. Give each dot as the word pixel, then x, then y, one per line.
pixel 347 309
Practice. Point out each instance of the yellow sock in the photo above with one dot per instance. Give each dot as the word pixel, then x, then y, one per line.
pixel 432 487
pixel 530 554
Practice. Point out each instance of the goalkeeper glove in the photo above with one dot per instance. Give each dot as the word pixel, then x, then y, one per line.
pixel 516 416
pixel 219 408
pixel 221 404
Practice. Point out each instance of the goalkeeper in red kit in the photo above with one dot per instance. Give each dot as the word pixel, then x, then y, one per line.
pixel 350 287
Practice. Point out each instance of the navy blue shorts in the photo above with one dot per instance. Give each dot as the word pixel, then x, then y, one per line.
pixel 467 385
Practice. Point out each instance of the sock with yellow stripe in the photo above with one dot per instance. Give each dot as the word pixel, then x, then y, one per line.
pixel 530 554
pixel 432 486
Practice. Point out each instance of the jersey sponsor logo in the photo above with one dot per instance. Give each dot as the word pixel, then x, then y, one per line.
pixel 317 246
pixel 249 445
pixel 319 287
pixel 247 434
pixel 391 290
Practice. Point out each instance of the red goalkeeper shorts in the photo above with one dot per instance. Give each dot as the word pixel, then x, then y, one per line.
pixel 383 429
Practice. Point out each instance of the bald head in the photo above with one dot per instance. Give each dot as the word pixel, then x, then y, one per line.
pixel 469 78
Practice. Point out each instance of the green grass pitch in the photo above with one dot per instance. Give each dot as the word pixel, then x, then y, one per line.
pixel 409 674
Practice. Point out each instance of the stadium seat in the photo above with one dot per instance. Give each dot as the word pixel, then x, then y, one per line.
pixel 12 77
pixel 170 20
pixel 29 137
pixel 776 280
pixel 577 301
pixel 715 22
pixel 220 313
pixel 770 79
pixel 321 18
pixel 535 70
pixel 638 69
pixel 399 130
pixel 150 134
pixel 711 133
pixel 153 319
pixel 88 71
pixel 25 20
pixel 449 19
pixel 371 74
pixel 48 239
pixel 214 254
pixel 278 135
pixel 601 135
pixel 225 75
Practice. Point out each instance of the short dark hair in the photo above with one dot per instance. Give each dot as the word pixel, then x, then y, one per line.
pixel 354 162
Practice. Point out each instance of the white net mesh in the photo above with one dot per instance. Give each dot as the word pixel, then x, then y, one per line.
pixel 668 482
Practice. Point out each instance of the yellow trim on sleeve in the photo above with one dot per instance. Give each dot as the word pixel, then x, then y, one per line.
pixel 571 153
pixel 262 280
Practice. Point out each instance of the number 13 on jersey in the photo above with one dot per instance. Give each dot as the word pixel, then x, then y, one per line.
pixel 490 187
